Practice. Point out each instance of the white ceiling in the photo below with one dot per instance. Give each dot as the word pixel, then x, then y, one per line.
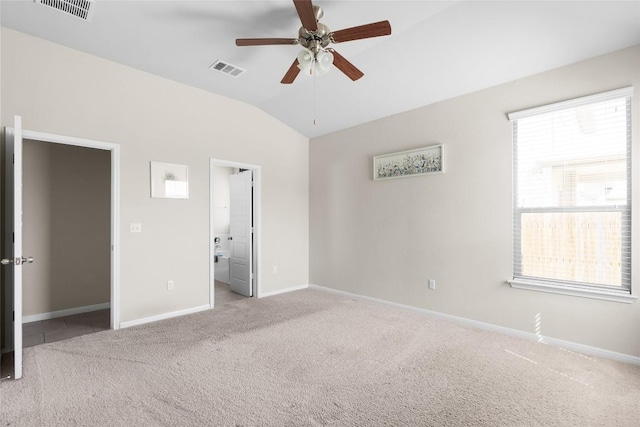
pixel 437 49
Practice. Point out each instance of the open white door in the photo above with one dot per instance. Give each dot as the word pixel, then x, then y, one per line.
pixel 241 273
pixel 13 259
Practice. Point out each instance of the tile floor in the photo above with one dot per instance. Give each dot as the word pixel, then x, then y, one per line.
pixel 223 294
pixel 62 328
pixel 6 366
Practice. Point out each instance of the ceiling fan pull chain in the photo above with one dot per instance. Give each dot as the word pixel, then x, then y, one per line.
pixel 314 99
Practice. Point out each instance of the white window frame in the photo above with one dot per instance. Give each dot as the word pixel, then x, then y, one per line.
pixel 564 287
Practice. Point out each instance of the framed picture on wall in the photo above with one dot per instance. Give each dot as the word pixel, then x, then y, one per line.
pixel 169 181
pixel 421 161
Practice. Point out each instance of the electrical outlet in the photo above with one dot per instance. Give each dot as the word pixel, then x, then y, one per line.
pixel 170 285
pixel 275 269
pixel 432 284
pixel 135 227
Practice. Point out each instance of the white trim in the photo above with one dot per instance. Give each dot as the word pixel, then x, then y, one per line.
pixel 257 224
pixel 163 316
pixel 115 237
pixel 568 345
pixel 68 140
pixel 282 291
pixel 212 277
pixel 115 205
pixel 65 312
pixel 624 297
pixel 257 230
pixel 612 94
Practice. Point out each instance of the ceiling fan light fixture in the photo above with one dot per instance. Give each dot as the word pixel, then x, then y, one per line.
pixel 324 61
pixel 305 61
pixel 315 63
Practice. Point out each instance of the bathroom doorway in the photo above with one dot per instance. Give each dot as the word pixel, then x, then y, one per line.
pixel 234 231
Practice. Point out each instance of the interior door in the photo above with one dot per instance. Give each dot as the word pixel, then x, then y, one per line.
pixel 13 260
pixel 241 233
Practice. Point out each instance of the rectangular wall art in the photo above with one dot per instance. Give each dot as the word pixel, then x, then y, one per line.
pixel 420 161
pixel 169 181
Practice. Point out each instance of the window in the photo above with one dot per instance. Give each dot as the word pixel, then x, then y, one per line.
pixel 572 196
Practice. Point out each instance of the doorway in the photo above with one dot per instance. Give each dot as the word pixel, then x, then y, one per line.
pixel 16 260
pixel 234 231
pixel 66 210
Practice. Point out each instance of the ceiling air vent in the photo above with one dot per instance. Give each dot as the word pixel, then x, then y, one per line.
pixel 82 9
pixel 227 68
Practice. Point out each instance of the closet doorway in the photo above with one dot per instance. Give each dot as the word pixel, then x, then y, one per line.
pixel 66 226
pixel 50 238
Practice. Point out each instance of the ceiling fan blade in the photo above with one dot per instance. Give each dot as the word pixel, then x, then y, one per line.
pixel 292 73
pixel 262 42
pixel 345 66
pixel 306 14
pixel 376 29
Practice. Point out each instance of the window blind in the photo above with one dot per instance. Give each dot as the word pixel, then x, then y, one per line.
pixel 572 192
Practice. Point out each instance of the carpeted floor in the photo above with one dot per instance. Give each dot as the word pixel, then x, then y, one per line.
pixel 315 358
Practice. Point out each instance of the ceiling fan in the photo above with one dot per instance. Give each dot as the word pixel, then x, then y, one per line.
pixel 317 57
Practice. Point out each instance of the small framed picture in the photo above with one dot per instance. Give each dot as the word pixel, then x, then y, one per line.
pixel 169 181
pixel 421 161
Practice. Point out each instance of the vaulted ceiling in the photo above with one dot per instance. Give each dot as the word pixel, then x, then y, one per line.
pixel 437 49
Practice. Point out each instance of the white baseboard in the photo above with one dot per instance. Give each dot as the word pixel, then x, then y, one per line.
pixel 164 316
pixel 282 291
pixel 66 312
pixel 568 345
pixel 200 308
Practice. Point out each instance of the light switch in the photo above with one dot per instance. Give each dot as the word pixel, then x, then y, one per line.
pixel 135 227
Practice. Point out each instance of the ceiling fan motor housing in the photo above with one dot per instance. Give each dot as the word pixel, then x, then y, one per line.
pixel 315 40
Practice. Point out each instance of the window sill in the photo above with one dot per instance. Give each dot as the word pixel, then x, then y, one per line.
pixel 621 296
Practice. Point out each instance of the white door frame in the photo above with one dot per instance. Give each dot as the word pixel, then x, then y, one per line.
pixel 257 223
pixel 115 205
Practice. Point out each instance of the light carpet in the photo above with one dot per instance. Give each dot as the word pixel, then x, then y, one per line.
pixel 311 358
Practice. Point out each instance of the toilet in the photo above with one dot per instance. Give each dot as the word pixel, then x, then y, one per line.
pixel 221 258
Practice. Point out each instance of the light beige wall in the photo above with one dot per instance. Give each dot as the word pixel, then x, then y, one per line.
pixel 386 238
pixel 63 91
pixel 66 226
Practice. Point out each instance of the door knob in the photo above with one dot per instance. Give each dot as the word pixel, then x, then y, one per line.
pixel 17 261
